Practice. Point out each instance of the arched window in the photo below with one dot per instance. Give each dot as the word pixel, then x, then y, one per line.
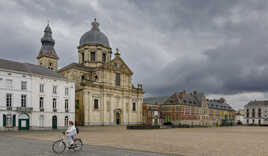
pixel 66 120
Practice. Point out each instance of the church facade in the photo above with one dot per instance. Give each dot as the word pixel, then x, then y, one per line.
pixel 104 92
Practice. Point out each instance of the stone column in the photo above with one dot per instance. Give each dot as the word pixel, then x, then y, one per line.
pixel 86 107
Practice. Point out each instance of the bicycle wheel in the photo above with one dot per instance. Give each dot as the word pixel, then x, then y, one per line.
pixel 58 146
pixel 78 144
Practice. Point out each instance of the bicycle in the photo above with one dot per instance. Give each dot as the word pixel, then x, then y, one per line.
pixel 59 146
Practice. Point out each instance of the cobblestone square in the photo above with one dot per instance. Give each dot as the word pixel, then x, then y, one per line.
pixel 225 141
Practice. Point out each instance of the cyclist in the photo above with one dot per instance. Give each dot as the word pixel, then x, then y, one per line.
pixel 71 132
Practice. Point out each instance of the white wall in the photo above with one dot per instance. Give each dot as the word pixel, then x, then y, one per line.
pixel 33 95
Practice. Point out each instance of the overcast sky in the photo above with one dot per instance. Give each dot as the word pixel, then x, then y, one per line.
pixel 216 47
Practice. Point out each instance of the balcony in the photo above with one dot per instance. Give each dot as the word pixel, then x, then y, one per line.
pixel 24 109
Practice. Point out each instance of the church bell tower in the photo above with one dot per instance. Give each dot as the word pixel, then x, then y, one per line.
pixel 47 55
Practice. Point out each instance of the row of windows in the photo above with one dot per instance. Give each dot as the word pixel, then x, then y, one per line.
pixel 9 100
pixel 9 84
pixel 54 90
pixel 10 121
pixel 41 102
pixel 253 113
pixel 93 57
pixel 117 78
pixel 96 105
pixel 54 104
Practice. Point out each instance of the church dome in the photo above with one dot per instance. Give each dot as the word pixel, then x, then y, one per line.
pixel 94 36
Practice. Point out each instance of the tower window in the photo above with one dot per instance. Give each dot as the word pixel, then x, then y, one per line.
pixel 92 56
pixel 83 57
pixel 103 58
pixel 50 64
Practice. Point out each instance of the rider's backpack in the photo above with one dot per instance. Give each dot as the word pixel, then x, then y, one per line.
pixel 77 130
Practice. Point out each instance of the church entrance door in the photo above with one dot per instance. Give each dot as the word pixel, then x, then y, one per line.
pixel 118 118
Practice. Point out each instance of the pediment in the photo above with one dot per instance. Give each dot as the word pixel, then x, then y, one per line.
pixel 117 64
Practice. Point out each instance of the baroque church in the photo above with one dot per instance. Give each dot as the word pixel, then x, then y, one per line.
pixel 104 93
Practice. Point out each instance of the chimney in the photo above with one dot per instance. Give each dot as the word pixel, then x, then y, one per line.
pixel 184 91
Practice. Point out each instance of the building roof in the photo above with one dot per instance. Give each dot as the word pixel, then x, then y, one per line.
pixel 216 104
pixel 94 36
pixel 29 68
pixel 183 98
pixel 257 103
pixel 47 48
pixel 79 67
pixel 157 100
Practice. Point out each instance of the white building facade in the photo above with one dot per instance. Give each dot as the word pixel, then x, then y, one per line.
pixel 256 113
pixel 34 97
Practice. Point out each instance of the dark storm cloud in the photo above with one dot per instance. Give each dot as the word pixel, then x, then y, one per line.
pixel 218 47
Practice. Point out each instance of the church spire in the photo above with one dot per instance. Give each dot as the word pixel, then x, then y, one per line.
pixel 47 50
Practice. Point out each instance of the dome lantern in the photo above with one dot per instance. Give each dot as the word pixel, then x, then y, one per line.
pixel 94 36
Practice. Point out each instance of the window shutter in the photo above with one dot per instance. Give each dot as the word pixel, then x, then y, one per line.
pixel 4 120
pixel 14 120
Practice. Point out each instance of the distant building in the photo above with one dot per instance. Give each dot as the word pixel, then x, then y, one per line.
pixel 256 113
pixel 193 109
pixel 186 109
pixel 221 112
pixel 240 117
pixel 151 114
pixel 151 110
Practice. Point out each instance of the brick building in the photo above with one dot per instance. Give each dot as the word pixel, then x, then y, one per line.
pixel 193 109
